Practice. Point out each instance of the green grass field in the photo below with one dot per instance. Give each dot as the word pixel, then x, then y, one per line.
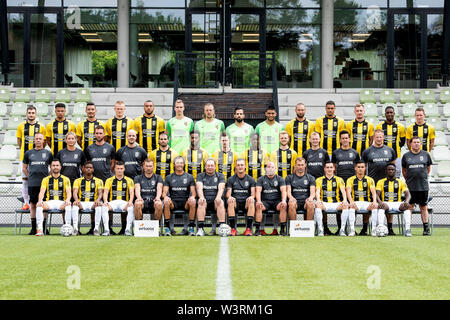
pixel 261 267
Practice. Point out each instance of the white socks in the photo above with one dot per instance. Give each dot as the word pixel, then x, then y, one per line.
pixel 318 219
pixel 380 216
pixel 25 196
pixel 72 214
pixel 105 218
pixel 351 219
pixel 407 218
pixel 130 218
pixel 374 219
pixel 98 217
pixel 40 218
pixel 344 217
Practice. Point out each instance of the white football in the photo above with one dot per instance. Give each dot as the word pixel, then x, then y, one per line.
pixel 66 230
pixel 224 230
pixel 381 230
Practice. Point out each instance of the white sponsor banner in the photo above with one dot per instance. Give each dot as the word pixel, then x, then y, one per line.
pixel 146 228
pixel 301 229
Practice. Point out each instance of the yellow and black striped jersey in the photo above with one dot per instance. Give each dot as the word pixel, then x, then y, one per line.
pixel 56 131
pixel 284 161
pixel 360 188
pixel 330 189
pixel 119 189
pixel 88 190
pixel 254 162
pixel 163 161
pixel 26 132
pixel 360 134
pixel 117 129
pixel 55 188
pixel 225 162
pixel 194 161
pixel 148 130
pixel 391 190
pixel 425 132
pixel 299 132
pixel 392 135
pixel 86 130
pixel 329 129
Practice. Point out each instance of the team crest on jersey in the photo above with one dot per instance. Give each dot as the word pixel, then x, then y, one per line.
pixel 385 152
pixel 320 155
pixel 136 154
pixel 104 151
pixel 305 127
pixel 305 182
pixel 124 185
pixel 153 183
pixel 246 183
pixel 65 127
pixel 394 130
pixel 36 129
pixel 124 125
pixel 365 184
pixel 184 181
pixel 396 185
pixel 334 184
pixel 60 184
pixel 215 179
pixel 75 156
pixel 425 130
pixel 421 158
pixel 350 155
pixel 275 183
pixel 44 156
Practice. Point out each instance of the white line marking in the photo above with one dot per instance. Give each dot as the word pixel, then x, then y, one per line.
pixel 224 290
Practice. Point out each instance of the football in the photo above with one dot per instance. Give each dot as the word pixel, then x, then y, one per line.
pixel 224 230
pixel 381 230
pixel 66 230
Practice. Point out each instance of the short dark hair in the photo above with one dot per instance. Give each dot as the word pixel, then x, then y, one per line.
pixel 60 105
pixel 344 132
pixel 31 107
pixel 89 162
pixel 330 102
pixel 391 164
pixel 90 104
pixel 271 108
pixel 389 107
pixel 238 108
pixel 359 161
pixel 99 127
pixel 56 160
pixel 194 132
pixel 119 163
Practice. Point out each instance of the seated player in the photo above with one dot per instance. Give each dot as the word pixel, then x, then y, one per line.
pixel 301 190
pixel 330 195
pixel 210 191
pixel 361 195
pixel 55 194
pixel 87 195
pixel 181 187
pixel 270 195
pixel 148 190
pixel 389 196
pixel 241 196
pixel 118 195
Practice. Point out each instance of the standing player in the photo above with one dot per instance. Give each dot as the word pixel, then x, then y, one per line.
pixel 55 193
pixel 301 190
pixel 181 188
pixel 118 195
pixel 361 131
pixel 330 195
pixel 239 132
pixel 270 194
pixel 330 126
pixel 209 129
pixel 35 167
pixel 210 192
pixel 255 158
pixel 149 126
pixel 315 157
pixel 416 166
pixel 148 190
pixel 25 141
pixel 57 129
pixel 225 158
pixel 422 130
pixel 132 155
pixel 87 195
pixel 240 195
pixel 178 128
pixel 163 157
pixel 118 126
pixel 299 130
pixel 86 128
pixel 268 131
pixel 195 156
pixel 361 195
pixel 394 135
pixel 389 197
pixel 71 158
pixel 284 157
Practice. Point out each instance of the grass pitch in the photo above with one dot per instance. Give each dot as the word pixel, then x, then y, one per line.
pixel 261 267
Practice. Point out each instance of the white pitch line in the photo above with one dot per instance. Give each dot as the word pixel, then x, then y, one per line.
pixel 224 290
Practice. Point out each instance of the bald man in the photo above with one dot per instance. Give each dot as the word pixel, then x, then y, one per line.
pixel 132 155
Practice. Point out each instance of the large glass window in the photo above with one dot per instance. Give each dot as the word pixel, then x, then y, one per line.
pixel 416 3
pixel 16 49
pixel 295 37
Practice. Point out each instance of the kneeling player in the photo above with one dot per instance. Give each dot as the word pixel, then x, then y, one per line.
pixel 210 190
pixel 118 196
pixel 241 197
pixel 56 190
pixel 389 195
pixel 148 190
pixel 301 190
pixel 181 187
pixel 330 189
pixel 362 196
pixel 87 195
pixel 270 195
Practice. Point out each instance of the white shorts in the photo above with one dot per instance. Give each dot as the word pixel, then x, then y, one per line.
pixel 118 205
pixel 87 205
pixel 54 204
pixel 362 205
pixel 394 206
pixel 331 206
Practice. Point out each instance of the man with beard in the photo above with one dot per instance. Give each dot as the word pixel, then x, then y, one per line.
pixel 149 126
pixel 299 130
pixel 209 129
pixel 239 132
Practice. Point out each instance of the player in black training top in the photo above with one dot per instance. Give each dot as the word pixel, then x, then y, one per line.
pixel 181 187
pixel 241 196
pixel 132 155
pixel 210 191
pixel 270 195
pixel 71 158
pixel 315 157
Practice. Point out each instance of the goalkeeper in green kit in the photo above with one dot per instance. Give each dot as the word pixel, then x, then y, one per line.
pixel 178 128
pixel 269 131
pixel 210 130
pixel 239 132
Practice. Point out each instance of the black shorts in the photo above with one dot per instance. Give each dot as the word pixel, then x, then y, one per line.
pixel 33 192
pixel 301 204
pixel 210 206
pixel 179 205
pixel 240 206
pixel 419 197
pixel 271 205
pixel 148 206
